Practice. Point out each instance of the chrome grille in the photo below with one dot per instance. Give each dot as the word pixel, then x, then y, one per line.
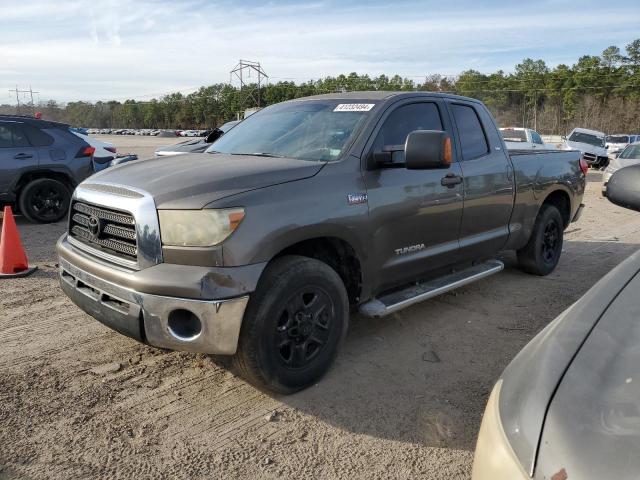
pixel 111 231
pixel 589 157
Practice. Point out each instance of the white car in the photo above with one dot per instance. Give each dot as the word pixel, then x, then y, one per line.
pixel 591 143
pixel 522 139
pixel 618 142
pixel 629 156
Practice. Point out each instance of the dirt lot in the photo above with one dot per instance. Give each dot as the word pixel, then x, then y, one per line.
pixel 404 399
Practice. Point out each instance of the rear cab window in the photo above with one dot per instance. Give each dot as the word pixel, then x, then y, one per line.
pixel 473 140
pixel 511 135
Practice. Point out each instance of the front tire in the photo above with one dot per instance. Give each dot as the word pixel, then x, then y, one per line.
pixel 542 253
pixel 44 200
pixel 294 325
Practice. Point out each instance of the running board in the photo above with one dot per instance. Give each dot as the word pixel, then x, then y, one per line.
pixel 392 302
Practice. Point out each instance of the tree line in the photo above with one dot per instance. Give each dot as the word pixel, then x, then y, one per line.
pixel 599 91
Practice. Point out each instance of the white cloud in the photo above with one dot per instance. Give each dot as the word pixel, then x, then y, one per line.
pixel 98 49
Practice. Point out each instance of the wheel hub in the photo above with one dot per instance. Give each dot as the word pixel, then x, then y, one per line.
pixel 303 327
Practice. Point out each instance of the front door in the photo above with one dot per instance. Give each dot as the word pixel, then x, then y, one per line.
pixel 414 218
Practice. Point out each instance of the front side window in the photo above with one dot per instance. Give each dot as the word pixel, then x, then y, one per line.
pixel 316 130
pixel 632 151
pixel 472 138
pixel 536 138
pixel 404 120
pixel 12 136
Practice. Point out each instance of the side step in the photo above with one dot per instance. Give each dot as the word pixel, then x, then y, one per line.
pixel 392 302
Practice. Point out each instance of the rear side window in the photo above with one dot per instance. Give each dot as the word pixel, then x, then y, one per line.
pixel 37 137
pixel 472 138
pixel 403 121
pixel 11 135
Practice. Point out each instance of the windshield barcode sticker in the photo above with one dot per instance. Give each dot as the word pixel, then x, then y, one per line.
pixel 354 107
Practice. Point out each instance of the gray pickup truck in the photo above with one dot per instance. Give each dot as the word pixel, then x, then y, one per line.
pixel 261 246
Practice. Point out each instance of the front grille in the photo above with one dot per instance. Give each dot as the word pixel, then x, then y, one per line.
pixel 108 230
pixel 589 157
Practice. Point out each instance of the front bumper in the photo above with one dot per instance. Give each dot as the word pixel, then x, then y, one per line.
pixel 152 318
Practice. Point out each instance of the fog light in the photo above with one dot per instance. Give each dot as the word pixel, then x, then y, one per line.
pixel 184 325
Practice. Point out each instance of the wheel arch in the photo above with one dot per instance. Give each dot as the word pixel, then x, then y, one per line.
pixel 560 199
pixel 337 252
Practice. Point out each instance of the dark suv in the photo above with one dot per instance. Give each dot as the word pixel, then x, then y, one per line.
pixel 41 162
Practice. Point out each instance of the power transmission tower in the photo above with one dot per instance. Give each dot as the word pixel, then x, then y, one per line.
pixel 18 92
pixel 242 71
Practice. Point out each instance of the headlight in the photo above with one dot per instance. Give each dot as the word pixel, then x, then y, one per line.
pixel 198 228
pixel 494 458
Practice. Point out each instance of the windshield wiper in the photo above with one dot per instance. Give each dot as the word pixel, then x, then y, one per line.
pixel 259 154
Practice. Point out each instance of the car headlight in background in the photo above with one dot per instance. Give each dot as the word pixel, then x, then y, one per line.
pixel 494 458
pixel 198 228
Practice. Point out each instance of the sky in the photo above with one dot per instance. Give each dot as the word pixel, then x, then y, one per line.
pixel 119 49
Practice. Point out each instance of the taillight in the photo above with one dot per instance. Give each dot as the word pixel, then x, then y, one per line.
pixel 584 166
pixel 110 149
pixel 86 152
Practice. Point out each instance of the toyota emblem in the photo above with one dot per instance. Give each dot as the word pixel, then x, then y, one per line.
pixel 94 226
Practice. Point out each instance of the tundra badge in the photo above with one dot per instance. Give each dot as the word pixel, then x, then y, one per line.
pixel 357 198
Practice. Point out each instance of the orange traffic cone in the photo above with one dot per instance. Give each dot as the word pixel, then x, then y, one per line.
pixel 13 260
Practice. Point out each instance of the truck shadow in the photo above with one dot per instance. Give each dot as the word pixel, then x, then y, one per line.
pixel 423 375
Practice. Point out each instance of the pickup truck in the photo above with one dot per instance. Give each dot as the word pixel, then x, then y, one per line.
pixel 516 138
pixel 309 209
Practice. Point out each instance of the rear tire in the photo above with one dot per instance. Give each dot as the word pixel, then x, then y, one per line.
pixel 542 253
pixel 294 325
pixel 44 200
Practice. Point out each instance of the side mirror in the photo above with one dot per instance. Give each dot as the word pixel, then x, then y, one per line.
pixel 214 135
pixel 623 187
pixel 606 146
pixel 563 137
pixel 425 149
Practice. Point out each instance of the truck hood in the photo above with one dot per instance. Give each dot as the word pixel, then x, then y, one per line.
pixel 592 429
pixel 192 181
pixel 587 148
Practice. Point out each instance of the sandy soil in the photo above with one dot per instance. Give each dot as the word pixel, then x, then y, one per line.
pixel 404 399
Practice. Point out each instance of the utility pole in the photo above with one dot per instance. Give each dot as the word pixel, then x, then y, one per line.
pixel 242 71
pixel 30 92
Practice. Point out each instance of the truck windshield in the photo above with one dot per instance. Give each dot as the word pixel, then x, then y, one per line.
pixel 617 139
pixel 305 130
pixel 581 137
pixel 514 135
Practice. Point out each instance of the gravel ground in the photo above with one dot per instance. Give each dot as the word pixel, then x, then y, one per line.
pixel 404 399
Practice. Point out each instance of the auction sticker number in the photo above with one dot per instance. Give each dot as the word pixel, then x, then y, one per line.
pixel 354 107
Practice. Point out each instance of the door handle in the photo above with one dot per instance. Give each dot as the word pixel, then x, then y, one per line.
pixel 450 180
pixel 22 156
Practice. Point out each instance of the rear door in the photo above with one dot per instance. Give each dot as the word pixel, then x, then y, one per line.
pixel 414 218
pixel 488 181
pixel 16 154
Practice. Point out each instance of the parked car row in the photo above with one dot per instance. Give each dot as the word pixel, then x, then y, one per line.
pixel 140 131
